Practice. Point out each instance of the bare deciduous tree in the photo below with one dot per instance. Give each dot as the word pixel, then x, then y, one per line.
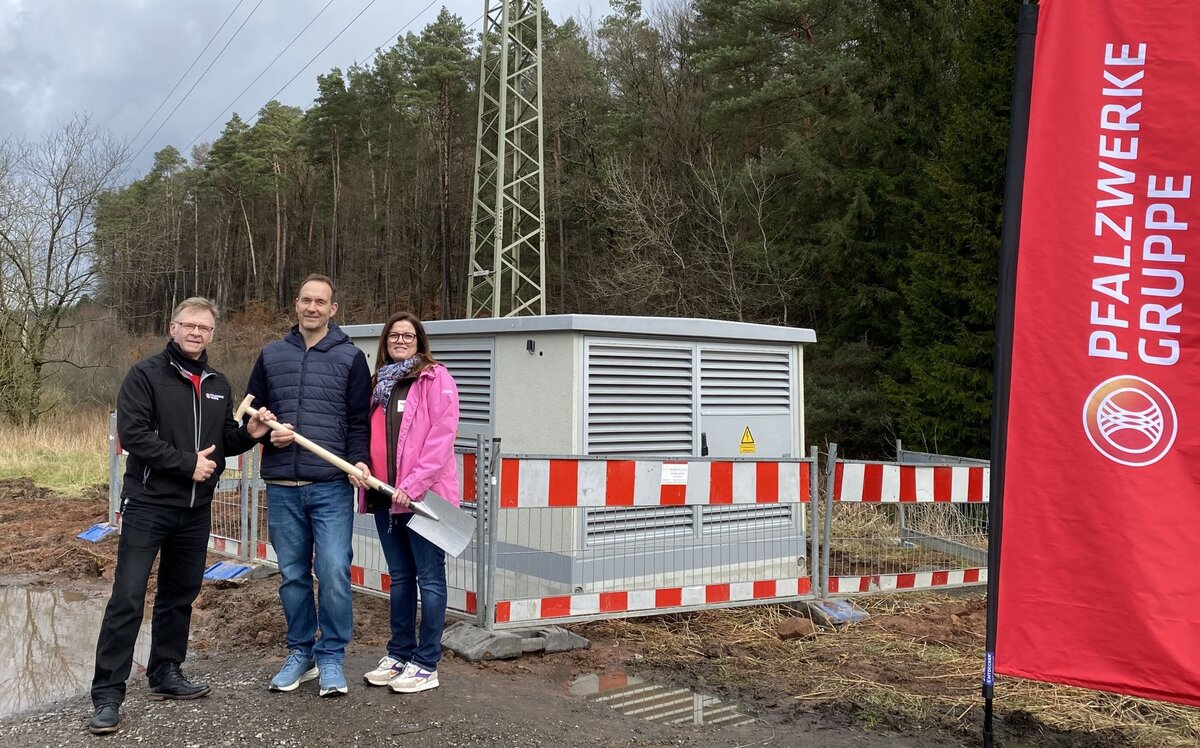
pixel 48 195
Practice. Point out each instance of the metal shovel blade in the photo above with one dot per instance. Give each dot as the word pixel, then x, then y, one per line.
pixel 443 524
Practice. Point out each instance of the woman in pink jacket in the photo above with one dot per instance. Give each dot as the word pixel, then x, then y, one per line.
pixel 414 418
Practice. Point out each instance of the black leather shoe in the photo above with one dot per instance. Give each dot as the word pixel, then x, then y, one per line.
pixel 173 684
pixel 106 719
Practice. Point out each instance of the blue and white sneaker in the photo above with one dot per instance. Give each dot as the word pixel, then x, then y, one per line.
pixel 387 669
pixel 333 681
pixel 297 668
pixel 414 679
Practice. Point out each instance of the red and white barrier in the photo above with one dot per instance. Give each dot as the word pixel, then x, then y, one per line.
pixel 380 581
pixel 226 546
pixel 663 600
pixel 911 581
pixel 264 551
pixel 888 483
pixel 542 483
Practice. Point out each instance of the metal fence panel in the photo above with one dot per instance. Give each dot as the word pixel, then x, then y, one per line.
pixel 583 538
pixel 893 527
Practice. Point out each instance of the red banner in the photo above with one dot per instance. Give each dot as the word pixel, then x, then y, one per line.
pixel 1098 579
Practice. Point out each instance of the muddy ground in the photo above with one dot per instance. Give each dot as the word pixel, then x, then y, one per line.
pixel 736 655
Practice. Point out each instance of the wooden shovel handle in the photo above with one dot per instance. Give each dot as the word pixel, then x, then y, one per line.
pixel 331 458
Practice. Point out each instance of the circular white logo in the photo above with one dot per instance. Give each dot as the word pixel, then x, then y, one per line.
pixel 1130 421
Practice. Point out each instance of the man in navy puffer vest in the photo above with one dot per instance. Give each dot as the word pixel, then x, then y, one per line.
pixel 317 382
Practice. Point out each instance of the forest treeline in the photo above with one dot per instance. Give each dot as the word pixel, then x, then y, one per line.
pixel 833 164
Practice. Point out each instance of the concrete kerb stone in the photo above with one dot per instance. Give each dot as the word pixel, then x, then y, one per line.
pixel 262 571
pixel 474 644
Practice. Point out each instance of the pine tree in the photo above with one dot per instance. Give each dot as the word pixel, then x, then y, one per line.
pixel 942 391
pixel 841 104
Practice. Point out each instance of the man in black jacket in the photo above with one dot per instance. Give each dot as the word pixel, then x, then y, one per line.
pixel 318 382
pixel 175 419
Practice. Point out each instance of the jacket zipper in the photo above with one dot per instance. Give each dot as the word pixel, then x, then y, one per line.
pixel 196 413
pixel 199 421
pixel 299 416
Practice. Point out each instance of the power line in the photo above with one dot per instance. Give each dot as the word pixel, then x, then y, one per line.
pixel 334 39
pixel 318 54
pixel 379 47
pixel 260 75
pixel 170 93
pixel 193 88
pixel 308 64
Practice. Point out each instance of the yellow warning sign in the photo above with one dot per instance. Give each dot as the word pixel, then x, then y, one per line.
pixel 746 446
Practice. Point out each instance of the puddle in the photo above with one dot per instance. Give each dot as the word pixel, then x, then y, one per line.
pixel 48 645
pixel 634 696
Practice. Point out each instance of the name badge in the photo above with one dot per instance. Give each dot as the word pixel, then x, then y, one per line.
pixel 399 406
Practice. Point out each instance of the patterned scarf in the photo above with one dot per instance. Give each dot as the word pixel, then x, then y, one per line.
pixel 388 375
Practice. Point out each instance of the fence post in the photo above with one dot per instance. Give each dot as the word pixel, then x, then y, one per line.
pixel 114 469
pixel 900 507
pixel 814 497
pixel 480 529
pixel 246 460
pixel 830 479
pixel 492 532
pixel 252 539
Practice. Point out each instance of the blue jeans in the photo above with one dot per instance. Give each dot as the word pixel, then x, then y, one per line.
pixel 318 517
pixel 413 562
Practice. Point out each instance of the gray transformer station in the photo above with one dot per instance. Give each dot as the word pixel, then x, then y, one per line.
pixel 641 388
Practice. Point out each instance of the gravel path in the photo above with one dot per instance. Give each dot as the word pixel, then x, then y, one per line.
pixel 501 704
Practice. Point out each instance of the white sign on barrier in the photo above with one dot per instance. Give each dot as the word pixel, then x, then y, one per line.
pixel 674 473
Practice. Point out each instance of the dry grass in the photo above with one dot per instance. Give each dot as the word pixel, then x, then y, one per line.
pixel 914 664
pixel 63 451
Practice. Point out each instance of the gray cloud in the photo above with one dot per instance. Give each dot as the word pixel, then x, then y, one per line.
pixel 116 59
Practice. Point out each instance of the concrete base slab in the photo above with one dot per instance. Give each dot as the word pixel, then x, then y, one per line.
pixel 473 643
pixel 833 612
pixel 262 571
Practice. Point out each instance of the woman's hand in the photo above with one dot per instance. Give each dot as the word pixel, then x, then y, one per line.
pixel 400 500
pixel 358 482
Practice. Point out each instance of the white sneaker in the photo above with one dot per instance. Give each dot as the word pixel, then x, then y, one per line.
pixel 413 679
pixel 387 669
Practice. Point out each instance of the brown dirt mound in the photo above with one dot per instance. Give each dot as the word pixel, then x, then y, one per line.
pixel 38 529
pixel 948 624
pixel 247 617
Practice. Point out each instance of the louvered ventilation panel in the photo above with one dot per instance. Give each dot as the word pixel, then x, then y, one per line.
pixel 471 364
pixel 639 400
pixel 643 523
pixel 725 520
pixel 745 381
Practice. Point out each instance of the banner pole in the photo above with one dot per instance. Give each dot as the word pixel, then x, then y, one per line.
pixel 1010 231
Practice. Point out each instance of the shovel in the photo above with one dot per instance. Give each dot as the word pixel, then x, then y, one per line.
pixel 434 518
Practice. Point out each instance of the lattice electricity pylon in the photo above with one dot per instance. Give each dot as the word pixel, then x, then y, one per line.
pixel 508 211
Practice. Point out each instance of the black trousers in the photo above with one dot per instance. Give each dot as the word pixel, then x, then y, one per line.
pixel 181 536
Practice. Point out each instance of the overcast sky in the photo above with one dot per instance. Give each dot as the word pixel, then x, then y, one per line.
pixel 117 59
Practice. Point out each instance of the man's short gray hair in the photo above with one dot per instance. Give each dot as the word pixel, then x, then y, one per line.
pixel 197 302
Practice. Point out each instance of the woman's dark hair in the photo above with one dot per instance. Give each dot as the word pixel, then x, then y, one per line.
pixel 382 358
